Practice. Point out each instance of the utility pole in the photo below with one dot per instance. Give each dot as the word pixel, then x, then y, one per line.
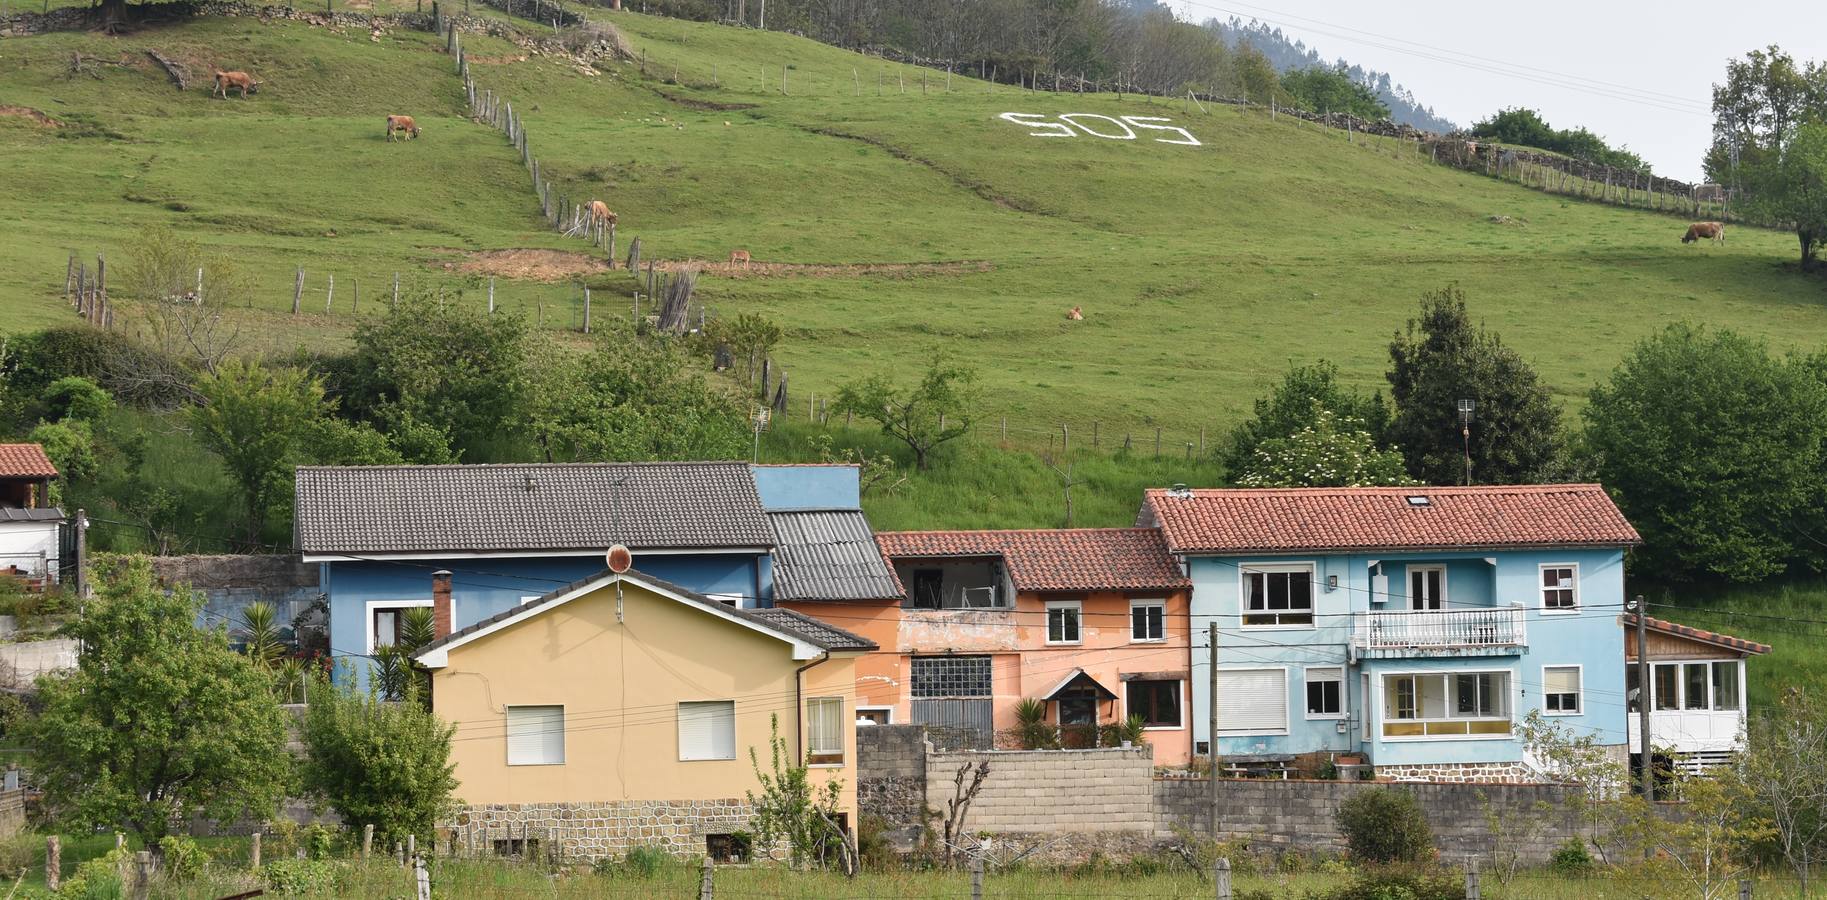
pixel 1465 432
pixel 1648 774
pixel 82 552
pixel 1211 723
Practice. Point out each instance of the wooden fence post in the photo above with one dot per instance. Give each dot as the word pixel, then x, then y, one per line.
pixel 53 861
pixel 396 302
pixel 367 840
pixel 1471 879
pixel 330 295
pixel 1221 879
pixel 142 875
pixel 976 878
pixel 253 853
pixel 586 310
pixel 491 295
pixel 707 888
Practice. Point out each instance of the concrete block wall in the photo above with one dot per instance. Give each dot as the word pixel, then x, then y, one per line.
pixel 1051 791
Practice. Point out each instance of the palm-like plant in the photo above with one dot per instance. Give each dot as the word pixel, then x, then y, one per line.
pixel 1032 727
pixel 417 628
pixel 260 641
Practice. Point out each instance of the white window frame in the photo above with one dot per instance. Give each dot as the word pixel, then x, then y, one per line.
pixel 861 708
pixel 1147 604
pixel 842 719
pixel 1739 679
pixel 508 740
pixel 680 737
pixel 1179 694
pixel 1286 708
pixel 1579 696
pixel 1078 622
pixel 1541 591
pixel 1383 718
pixel 374 606
pixel 1410 587
pixel 1245 570
pixel 1307 678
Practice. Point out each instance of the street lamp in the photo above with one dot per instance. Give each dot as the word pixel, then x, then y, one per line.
pixel 1465 432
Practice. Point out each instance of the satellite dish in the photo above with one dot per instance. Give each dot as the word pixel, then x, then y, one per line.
pixel 619 559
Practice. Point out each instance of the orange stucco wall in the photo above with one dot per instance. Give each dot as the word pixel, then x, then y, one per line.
pixel 1024 665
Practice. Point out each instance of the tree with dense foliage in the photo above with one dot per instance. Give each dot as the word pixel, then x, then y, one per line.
pixel 791 810
pixel 1444 358
pixel 1715 451
pixel 924 416
pixel 1385 825
pixel 632 397
pixel 446 366
pixel 378 763
pixel 1767 117
pixel 1290 407
pixel 1322 89
pixel 160 721
pixel 75 397
pixel 1518 125
pixel 257 419
pixel 1330 451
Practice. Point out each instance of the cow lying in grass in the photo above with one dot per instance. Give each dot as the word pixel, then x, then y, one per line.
pixel 402 124
pixel 226 80
pixel 1704 230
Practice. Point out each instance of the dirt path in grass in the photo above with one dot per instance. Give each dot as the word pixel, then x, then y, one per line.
pixel 561 265
pixel 30 115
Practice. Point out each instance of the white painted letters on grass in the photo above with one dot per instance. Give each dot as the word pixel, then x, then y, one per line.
pixel 1110 128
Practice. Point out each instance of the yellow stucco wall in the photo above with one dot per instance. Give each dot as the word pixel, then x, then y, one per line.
pixel 620 684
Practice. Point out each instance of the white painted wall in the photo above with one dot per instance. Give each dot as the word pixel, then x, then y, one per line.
pixel 22 542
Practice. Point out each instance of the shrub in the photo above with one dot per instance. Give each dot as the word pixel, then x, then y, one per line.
pixel 76 397
pixel 183 859
pixel 319 841
pixel 299 876
pixel 384 764
pixel 1385 826
pixel 872 846
pixel 1571 858
pixel 644 861
pixel 96 879
pixel 1400 883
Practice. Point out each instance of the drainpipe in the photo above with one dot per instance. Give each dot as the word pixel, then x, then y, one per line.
pixel 799 708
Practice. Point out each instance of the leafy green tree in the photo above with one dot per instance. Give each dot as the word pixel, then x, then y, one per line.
pixel 1713 448
pixel 1767 117
pixel 1528 128
pixel 937 410
pixel 257 420
pixel 71 447
pixel 75 397
pixel 448 365
pixel 750 338
pixel 1792 188
pixel 160 721
pixel 632 398
pixel 790 808
pixel 1443 358
pixel 1320 89
pixel 379 763
pixel 1781 767
pixel 1330 452
pixel 1290 408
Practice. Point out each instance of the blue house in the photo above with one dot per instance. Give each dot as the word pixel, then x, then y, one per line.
pixel 506 534
pixel 1412 627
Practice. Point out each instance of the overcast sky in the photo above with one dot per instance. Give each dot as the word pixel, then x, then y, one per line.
pixel 1637 73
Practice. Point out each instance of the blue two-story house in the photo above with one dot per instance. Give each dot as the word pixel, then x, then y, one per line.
pixel 507 534
pixel 1412 627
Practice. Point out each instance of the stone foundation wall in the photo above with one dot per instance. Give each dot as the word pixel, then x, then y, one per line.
pixel 1463 773
pixel 891 779
pixel 592 831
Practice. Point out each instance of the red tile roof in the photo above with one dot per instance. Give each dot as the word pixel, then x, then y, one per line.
pixel 1271 520
pixel 1065 559
pixel 25 461
pixel 1698 634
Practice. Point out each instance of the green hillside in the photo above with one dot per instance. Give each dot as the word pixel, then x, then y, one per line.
pixel 1202 270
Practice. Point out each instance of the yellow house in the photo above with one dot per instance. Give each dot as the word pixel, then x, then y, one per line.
pixel 621 711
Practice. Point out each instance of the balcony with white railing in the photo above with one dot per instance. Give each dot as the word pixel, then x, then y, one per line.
pixel 1484 631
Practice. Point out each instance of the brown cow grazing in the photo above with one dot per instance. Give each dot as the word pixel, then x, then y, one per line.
pixel 739 256
pixel 226 80
pixel 601 214
pixel 1075 314
pixel 1699 230
pixel 403 124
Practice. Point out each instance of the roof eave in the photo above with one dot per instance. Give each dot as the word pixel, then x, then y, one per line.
pixel 1388 548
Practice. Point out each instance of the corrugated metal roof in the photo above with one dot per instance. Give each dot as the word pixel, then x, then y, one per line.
pixel 829 555
pixel 578 506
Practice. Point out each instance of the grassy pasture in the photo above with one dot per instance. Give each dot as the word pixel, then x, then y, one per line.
pixel 1203 270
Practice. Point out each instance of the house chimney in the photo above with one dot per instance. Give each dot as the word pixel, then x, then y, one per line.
pixel 440 604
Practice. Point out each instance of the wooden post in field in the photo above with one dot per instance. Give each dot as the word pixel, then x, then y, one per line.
pixel 330 294
pixel 253 853
pixel 586 310
pixel 1471 879
pixel 355 287
pixel 142 875
pixel 707 887
pixel 491 295
pixel 1221 878
pixel 367 839
pixel 69 277
pixel 976 878
pixel 412 846
pixel 101 289
pixel 396 302
pixel 53 862
pixel 1157 443
pixel 297 289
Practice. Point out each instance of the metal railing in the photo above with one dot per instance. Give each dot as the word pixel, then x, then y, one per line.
pixel 1502 626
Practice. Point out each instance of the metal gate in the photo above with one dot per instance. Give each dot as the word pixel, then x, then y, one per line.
pixel 958 724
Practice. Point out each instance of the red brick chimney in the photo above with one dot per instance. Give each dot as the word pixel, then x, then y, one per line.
pixel 440 604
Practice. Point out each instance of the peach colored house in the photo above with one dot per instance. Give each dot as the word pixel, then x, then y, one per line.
pixel 1092 621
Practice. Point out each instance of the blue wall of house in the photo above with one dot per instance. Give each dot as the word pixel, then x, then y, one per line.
pixel 1591 638
pixel 483 587
pixel 808 487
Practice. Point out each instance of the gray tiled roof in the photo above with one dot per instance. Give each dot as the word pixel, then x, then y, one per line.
pixel 573 506
pixel 783 621
pixel 829 555
pixel 16 514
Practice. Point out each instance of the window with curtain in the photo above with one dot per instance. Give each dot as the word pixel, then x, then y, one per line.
pixel 1725 685
pixel 1694 685
pixel 707 730
pixel 825 731
pixel 535 735
pixel 1442 705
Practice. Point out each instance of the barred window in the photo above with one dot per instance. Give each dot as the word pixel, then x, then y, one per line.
pixel 951 676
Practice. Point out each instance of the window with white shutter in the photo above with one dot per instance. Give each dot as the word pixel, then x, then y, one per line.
pixel 707 730
pixel 825 731
pixel 536 735
pixel 1252 701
